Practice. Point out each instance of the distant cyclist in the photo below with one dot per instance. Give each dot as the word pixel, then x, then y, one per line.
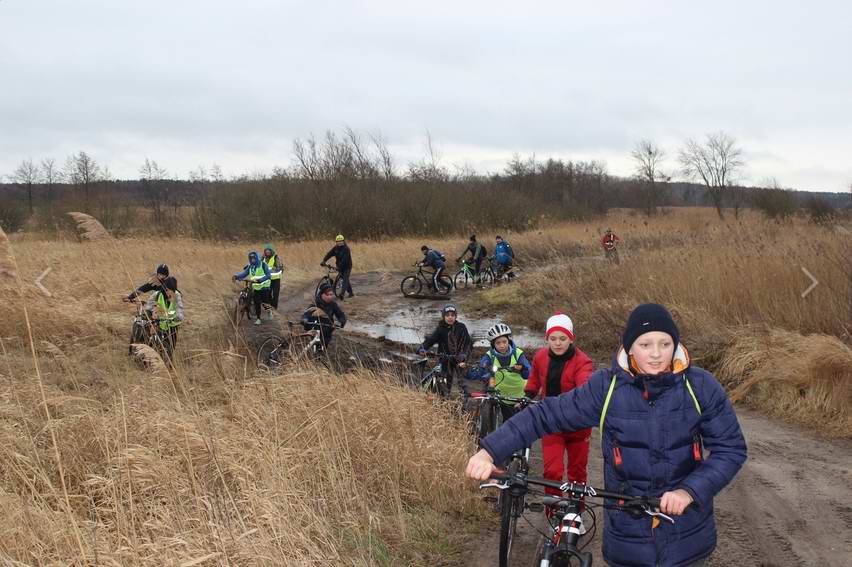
pixel 324 314
pixel 167 302
pixel 276 268
pixel 454 343
pixel 475 252
pixel 154 283
pixel 609 241
pixel 257 272
pixel 343 262
pixel 436 260
pixel 504 256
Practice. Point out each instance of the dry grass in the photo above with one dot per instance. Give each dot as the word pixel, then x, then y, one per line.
pixel 807 379
pixel 89 227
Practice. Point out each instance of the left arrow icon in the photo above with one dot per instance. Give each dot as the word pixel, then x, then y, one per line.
pixel 39 284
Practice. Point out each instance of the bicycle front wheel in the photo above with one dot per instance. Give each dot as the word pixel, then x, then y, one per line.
pixel 324 280
pixel 509 514
pixel 487 420
pixel 271 353
pixel 410 286
pixel 445 284
pixel 486 278
pixel 338 287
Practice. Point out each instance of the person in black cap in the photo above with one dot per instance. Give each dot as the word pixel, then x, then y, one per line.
pixel 154 283
pixel 668 431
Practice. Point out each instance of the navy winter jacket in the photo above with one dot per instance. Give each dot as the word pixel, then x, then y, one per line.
pixel 649 447
pixel 434 259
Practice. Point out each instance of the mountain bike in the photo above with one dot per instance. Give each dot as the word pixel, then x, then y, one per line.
pixel 146 330
pixel 559 547
pixel 489 417
pixel 466 276
pixel 611 253
pixel 297 346
pixel 242 309
pixel 433 380
pixel 413 284
pixel 335 282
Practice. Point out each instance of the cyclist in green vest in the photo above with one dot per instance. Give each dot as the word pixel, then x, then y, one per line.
pixel 168 303
pixel 505 366
pixel 276 268
pixel 258 274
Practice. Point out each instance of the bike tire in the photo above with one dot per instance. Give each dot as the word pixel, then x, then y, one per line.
pixel 410 286
pixel 461 280
pixel 508 519
pixel 338 287
pixel 486 278
pixel 269 353
pixel 445 285
pixel 137 335
pixel 487 420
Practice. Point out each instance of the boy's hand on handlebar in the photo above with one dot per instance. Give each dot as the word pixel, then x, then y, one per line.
pixel 480 466
pixel 675 502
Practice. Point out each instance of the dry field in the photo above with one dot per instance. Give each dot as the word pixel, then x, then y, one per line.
pixel 211 464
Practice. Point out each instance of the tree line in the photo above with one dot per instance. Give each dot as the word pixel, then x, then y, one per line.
pixel 351 183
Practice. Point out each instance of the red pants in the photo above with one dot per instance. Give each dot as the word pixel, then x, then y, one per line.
pixel 555 446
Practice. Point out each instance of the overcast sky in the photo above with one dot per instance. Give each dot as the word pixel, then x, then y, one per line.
pixel 191 83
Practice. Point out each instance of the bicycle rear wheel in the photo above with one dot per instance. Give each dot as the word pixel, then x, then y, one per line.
pixel 410 285
pixel 272 353
pixel 486 278
pixel 461 279
pixel 445 284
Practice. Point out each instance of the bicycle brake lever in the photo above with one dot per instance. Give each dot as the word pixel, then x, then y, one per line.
pixel 660 515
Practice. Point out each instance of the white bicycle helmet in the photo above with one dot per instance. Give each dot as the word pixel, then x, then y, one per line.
pixel 497 331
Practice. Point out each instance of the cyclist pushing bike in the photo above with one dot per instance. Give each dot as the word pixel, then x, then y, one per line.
pixel 475 253
pixel 167 302
pixel 609 242
pixel 657 415
pixel 454 344
pixel 257 272
pixel 324 315
pixel 343 262
pixel 154 283
pixel 505 366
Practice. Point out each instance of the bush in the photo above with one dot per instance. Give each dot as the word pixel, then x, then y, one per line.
pixel 819 210
pixel 12 215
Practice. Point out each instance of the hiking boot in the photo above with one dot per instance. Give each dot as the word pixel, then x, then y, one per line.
pixel 258 321
pixel 351 294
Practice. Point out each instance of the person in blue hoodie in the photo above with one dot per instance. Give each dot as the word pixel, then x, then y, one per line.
pixel 433 259
pixel 504 366
pixel 504 255
pixel 258 274
pixel 659 416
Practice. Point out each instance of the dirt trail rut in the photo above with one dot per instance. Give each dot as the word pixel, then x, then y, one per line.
pixel 790 505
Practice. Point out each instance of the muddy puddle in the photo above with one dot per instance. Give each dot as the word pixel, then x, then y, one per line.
pixel 411 323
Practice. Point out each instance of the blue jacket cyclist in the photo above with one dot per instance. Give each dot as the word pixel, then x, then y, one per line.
pixel 257 272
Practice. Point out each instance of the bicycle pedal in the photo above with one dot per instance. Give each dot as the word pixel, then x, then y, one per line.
pixel 535 507
pixel 492 499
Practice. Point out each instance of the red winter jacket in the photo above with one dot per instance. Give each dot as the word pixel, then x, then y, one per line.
pixel 577 370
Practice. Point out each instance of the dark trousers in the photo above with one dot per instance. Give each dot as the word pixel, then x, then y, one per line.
pixel 275 290
pixel 435 276
pixel 258 297
pixel 346 284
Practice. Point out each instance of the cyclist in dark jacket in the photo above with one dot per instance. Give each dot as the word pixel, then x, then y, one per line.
pixel 153 284
pixel 435 260
pixel 657 416
pixel 342 261
pixel 324 314
pixel 476 252
pixel 454 343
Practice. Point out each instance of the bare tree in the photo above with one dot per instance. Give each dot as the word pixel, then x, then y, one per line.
pixel 154 187
pixel 716 163
pixel 27 175
pixel 648 157
pixel 50 175
pixel 82 171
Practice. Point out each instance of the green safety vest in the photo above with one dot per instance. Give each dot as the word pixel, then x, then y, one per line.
pixel 170 311
pixel 271 263
pixel 612 388
pixel 508 382
pixel 257 272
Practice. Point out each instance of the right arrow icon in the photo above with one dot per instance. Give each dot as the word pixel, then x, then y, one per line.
pixel 814 282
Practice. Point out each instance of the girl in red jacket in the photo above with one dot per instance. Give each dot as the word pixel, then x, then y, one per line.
pixel 555 370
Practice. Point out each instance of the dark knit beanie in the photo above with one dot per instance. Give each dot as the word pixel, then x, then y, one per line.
pixel 646 318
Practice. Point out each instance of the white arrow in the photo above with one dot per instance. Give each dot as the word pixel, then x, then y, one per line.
pixel 814 282
pixel 41 287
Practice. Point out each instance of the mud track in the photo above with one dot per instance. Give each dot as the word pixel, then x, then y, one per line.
pixel 790 505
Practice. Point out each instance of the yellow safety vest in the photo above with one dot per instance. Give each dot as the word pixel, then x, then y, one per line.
pixel 170 311
pixel 257 272
pixel 276 275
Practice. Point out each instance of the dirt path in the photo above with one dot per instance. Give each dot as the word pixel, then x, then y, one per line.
pixel 791 505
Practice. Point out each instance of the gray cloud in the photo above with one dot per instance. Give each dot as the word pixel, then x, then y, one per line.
pixel 234 83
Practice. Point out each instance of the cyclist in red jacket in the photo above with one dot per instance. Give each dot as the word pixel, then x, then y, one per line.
pixel 610 241
pixel 557 369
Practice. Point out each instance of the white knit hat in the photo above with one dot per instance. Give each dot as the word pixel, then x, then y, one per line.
pixel 560 322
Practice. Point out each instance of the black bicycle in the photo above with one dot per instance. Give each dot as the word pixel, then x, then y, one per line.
pixel 145 329
pixel 435 380
pixel 413 284
pixel 242 309
pixel 559 548
pixel 335 282
pixel 489 417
